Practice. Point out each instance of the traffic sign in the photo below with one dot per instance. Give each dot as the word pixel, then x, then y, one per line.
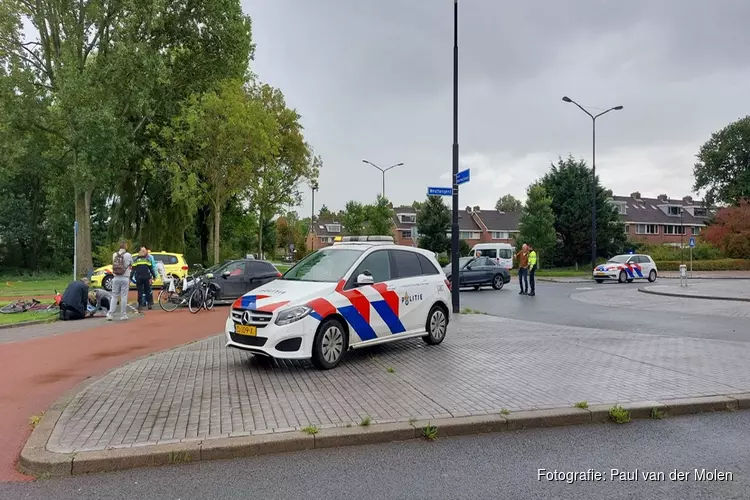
pixel 438 191
pixel 463 176
pixel 691 243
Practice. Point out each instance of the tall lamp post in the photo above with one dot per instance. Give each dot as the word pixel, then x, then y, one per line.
pixel 313 188
pixel 593 173
pixel 382 170
pixel 454 219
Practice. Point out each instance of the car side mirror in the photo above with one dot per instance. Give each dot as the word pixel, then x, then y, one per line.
pixel 225 274
pixel 365 279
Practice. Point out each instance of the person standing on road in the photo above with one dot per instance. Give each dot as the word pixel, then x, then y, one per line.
pixel 523 269
pixel 144 273
pixel 122 262
pixel 532 270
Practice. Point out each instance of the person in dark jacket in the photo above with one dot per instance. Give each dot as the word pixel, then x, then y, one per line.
pixel 99 300
pixel 144 273
pixel 75 298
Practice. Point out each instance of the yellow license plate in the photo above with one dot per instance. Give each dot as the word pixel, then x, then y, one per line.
pixel 601 274
pixel 249 330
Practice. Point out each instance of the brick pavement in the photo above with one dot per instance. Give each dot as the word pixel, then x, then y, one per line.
pixel 204 390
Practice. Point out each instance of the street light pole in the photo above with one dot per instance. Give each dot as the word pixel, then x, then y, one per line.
pixel 593 173
pixel 313 188
pixel 382 170
pixel 454 221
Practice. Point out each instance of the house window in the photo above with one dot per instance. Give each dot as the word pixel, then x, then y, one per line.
pixel 333 228
pixel 696 230
pixel 673 210
pixel 407 218
pixel 622 209
pixel 406 234
pixel 700 212
pixel 646 229
pixel 673 229
pixel 468 235
pixel 326 239
pixel 627 229
pixel 500 235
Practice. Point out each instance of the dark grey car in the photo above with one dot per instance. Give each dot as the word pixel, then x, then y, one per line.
pixel 237 277
pixel 478 272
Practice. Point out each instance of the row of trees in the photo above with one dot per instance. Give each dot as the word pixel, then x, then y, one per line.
pixel 139 119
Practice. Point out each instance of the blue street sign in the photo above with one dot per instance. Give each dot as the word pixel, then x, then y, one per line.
pixel 463 176
pixel 436 191
pixel 691 243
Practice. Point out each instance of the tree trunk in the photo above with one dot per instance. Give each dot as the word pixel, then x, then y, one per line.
pixel 83 238
pixel 204 235
pixel 217 232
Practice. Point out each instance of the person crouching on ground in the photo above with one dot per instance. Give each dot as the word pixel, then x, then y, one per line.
pixel 74 300
pixel 99 300
pixel 144 273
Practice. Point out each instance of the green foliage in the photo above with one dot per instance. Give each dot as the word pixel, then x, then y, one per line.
pixel 656 414
pixel 706 265
pixel 701 251
pixel 434 224
pixel 463 248
pixel 730 230
pixel 311 430
pixel 537 224
pixel 723 167
pixel 569 185
pixel 619 415
pixel 324 212
pixel 354 218
pixel 508 203
pixel 379 217
pixel 366 421
pixel 582 404
pixel 430 432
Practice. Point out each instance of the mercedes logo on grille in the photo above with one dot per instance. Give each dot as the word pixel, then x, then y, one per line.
pixel 246 318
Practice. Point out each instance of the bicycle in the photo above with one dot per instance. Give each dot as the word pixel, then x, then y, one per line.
pixel 176 292
pixel 203 296
pixel 33 305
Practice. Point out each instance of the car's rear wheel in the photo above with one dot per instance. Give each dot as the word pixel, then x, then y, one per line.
pixel 437 325
pixel 652 276
pixel 600 281
pixel 107 283
pixel 497 282
pixel 329 345
pixel 623 277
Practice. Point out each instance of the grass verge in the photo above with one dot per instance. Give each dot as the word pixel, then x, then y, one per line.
pixel 25 317
pixel 29 287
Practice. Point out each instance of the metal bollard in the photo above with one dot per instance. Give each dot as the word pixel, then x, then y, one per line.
pixel 683 275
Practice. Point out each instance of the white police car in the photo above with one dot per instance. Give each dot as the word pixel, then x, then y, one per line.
pixel 626 268
pixel 361 291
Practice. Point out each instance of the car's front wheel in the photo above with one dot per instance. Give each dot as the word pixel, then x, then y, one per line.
pixel 652 276
pixel 600 281
pixel 107 282
pixel 622 278
pixel 437 325
pixel 497 282
pixel 328 345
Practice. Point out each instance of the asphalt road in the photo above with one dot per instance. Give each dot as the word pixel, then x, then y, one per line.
pixel 504 465
pixel 553 305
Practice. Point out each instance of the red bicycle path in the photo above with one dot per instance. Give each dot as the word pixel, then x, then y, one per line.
pixel 35 373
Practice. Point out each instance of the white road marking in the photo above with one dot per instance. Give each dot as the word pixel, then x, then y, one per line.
pixel 585 288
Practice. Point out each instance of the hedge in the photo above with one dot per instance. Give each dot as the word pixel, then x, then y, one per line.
pixel 706 265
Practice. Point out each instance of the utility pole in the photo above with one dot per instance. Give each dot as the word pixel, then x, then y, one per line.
pixel 313 188
pixel 383 171
pixel 454 222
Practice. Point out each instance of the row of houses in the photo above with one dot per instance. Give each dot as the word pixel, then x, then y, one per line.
pixel 659 220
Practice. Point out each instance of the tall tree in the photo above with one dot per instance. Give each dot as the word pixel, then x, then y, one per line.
pixel 433 224
pixel 379 217
pixel 730 231
pixel 324 211
pixel 218 141
pixel 569 185
pixel 354 218
pixel 508 203
pixel 723 167
pixel 537 224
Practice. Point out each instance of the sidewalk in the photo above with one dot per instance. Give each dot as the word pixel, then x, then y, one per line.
pixel 190 396
pixel 40 363
pixel 712 290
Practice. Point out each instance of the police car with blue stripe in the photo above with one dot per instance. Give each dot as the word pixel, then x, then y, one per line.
pixel 361 291
pixel 626 268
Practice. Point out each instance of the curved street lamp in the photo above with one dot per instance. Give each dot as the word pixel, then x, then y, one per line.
pixel 593 173
pixel 383 170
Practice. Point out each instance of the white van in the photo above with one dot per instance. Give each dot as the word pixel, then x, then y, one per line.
pixel 501 253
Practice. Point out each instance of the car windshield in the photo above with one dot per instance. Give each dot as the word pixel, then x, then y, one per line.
pixel 461 263
pixel 619 259
pixel 328 265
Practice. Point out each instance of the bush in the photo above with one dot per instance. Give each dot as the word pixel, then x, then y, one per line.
pixel 702 251
pixel 443 261
pixel 706 265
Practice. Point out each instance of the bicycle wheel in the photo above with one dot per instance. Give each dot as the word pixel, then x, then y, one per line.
pixel 16 307
pixel 197 300
pixel 168 301
pixel 210 299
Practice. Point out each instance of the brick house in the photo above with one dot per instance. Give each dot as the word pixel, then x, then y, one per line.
pixel 325 229
pixel 487 226
pixel 661 220
pixel 405 226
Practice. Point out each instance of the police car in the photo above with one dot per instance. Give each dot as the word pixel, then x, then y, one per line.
pixel 626 268
pixel 361 291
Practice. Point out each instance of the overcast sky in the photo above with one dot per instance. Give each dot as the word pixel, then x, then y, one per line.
pixel 373 79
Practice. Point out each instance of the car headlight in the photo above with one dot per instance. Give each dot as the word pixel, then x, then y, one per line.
pixel 292 315
pixel 97 273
